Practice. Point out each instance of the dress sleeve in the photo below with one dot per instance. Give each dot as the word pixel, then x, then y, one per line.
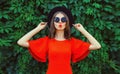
pixel 38 48
pixel 80 50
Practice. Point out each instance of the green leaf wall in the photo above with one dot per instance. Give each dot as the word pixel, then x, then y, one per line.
pixel 101 18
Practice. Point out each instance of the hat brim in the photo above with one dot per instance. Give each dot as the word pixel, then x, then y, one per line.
pixel 63 9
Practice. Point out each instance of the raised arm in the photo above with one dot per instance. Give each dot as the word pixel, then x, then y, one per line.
pixel 24 40
pixel 94 43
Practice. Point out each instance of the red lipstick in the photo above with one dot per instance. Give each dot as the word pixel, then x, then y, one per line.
pixel 60 25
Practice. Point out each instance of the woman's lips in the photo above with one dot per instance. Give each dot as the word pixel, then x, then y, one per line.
pixel 60 25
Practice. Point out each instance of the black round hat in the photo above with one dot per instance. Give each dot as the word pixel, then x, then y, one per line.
pixel 63 9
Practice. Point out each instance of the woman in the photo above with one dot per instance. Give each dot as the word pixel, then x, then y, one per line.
pixel 59 47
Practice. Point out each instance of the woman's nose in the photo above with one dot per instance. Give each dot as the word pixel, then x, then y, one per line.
pixel 60 22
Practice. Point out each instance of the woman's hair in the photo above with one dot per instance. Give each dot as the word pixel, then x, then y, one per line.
pixel 53 29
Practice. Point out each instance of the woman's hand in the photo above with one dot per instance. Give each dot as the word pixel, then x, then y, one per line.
pixel 24 40
pixel 94 43
pixel 41 25
pixel 79 27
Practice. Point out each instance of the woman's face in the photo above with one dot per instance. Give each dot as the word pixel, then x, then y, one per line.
pixel 60 21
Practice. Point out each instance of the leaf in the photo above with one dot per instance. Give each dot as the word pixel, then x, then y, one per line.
pixel 109 25
pixel 96 5
pixel 117 13
pixel 86 1
pixel 5 42
pixel 108 8
pixel 89 11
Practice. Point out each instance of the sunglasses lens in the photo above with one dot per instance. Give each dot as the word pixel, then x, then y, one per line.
pixel 63 19
pixel 56 19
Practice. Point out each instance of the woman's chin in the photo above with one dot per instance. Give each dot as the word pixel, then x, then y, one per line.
pixel 60 29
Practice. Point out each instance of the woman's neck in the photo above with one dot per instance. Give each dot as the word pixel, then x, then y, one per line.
pixel 59 35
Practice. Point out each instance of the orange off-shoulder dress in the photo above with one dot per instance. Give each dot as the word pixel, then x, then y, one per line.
pixel 60 54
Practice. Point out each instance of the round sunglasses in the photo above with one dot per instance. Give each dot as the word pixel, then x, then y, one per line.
pixel 57 19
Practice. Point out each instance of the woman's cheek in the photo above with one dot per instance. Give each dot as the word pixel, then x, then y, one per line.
pixel 56 26
pixel 64 25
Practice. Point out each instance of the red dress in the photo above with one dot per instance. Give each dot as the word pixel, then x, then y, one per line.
pixel 59 53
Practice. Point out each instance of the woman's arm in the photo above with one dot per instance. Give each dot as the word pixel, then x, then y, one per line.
pixel 94 43
pixel 24 40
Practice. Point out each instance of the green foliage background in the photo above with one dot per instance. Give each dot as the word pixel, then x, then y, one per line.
pixel 100 17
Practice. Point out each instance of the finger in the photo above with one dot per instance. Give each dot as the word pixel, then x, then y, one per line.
pixel 78 25
pixel 42 23
pixel 73 25
pixel 45 23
